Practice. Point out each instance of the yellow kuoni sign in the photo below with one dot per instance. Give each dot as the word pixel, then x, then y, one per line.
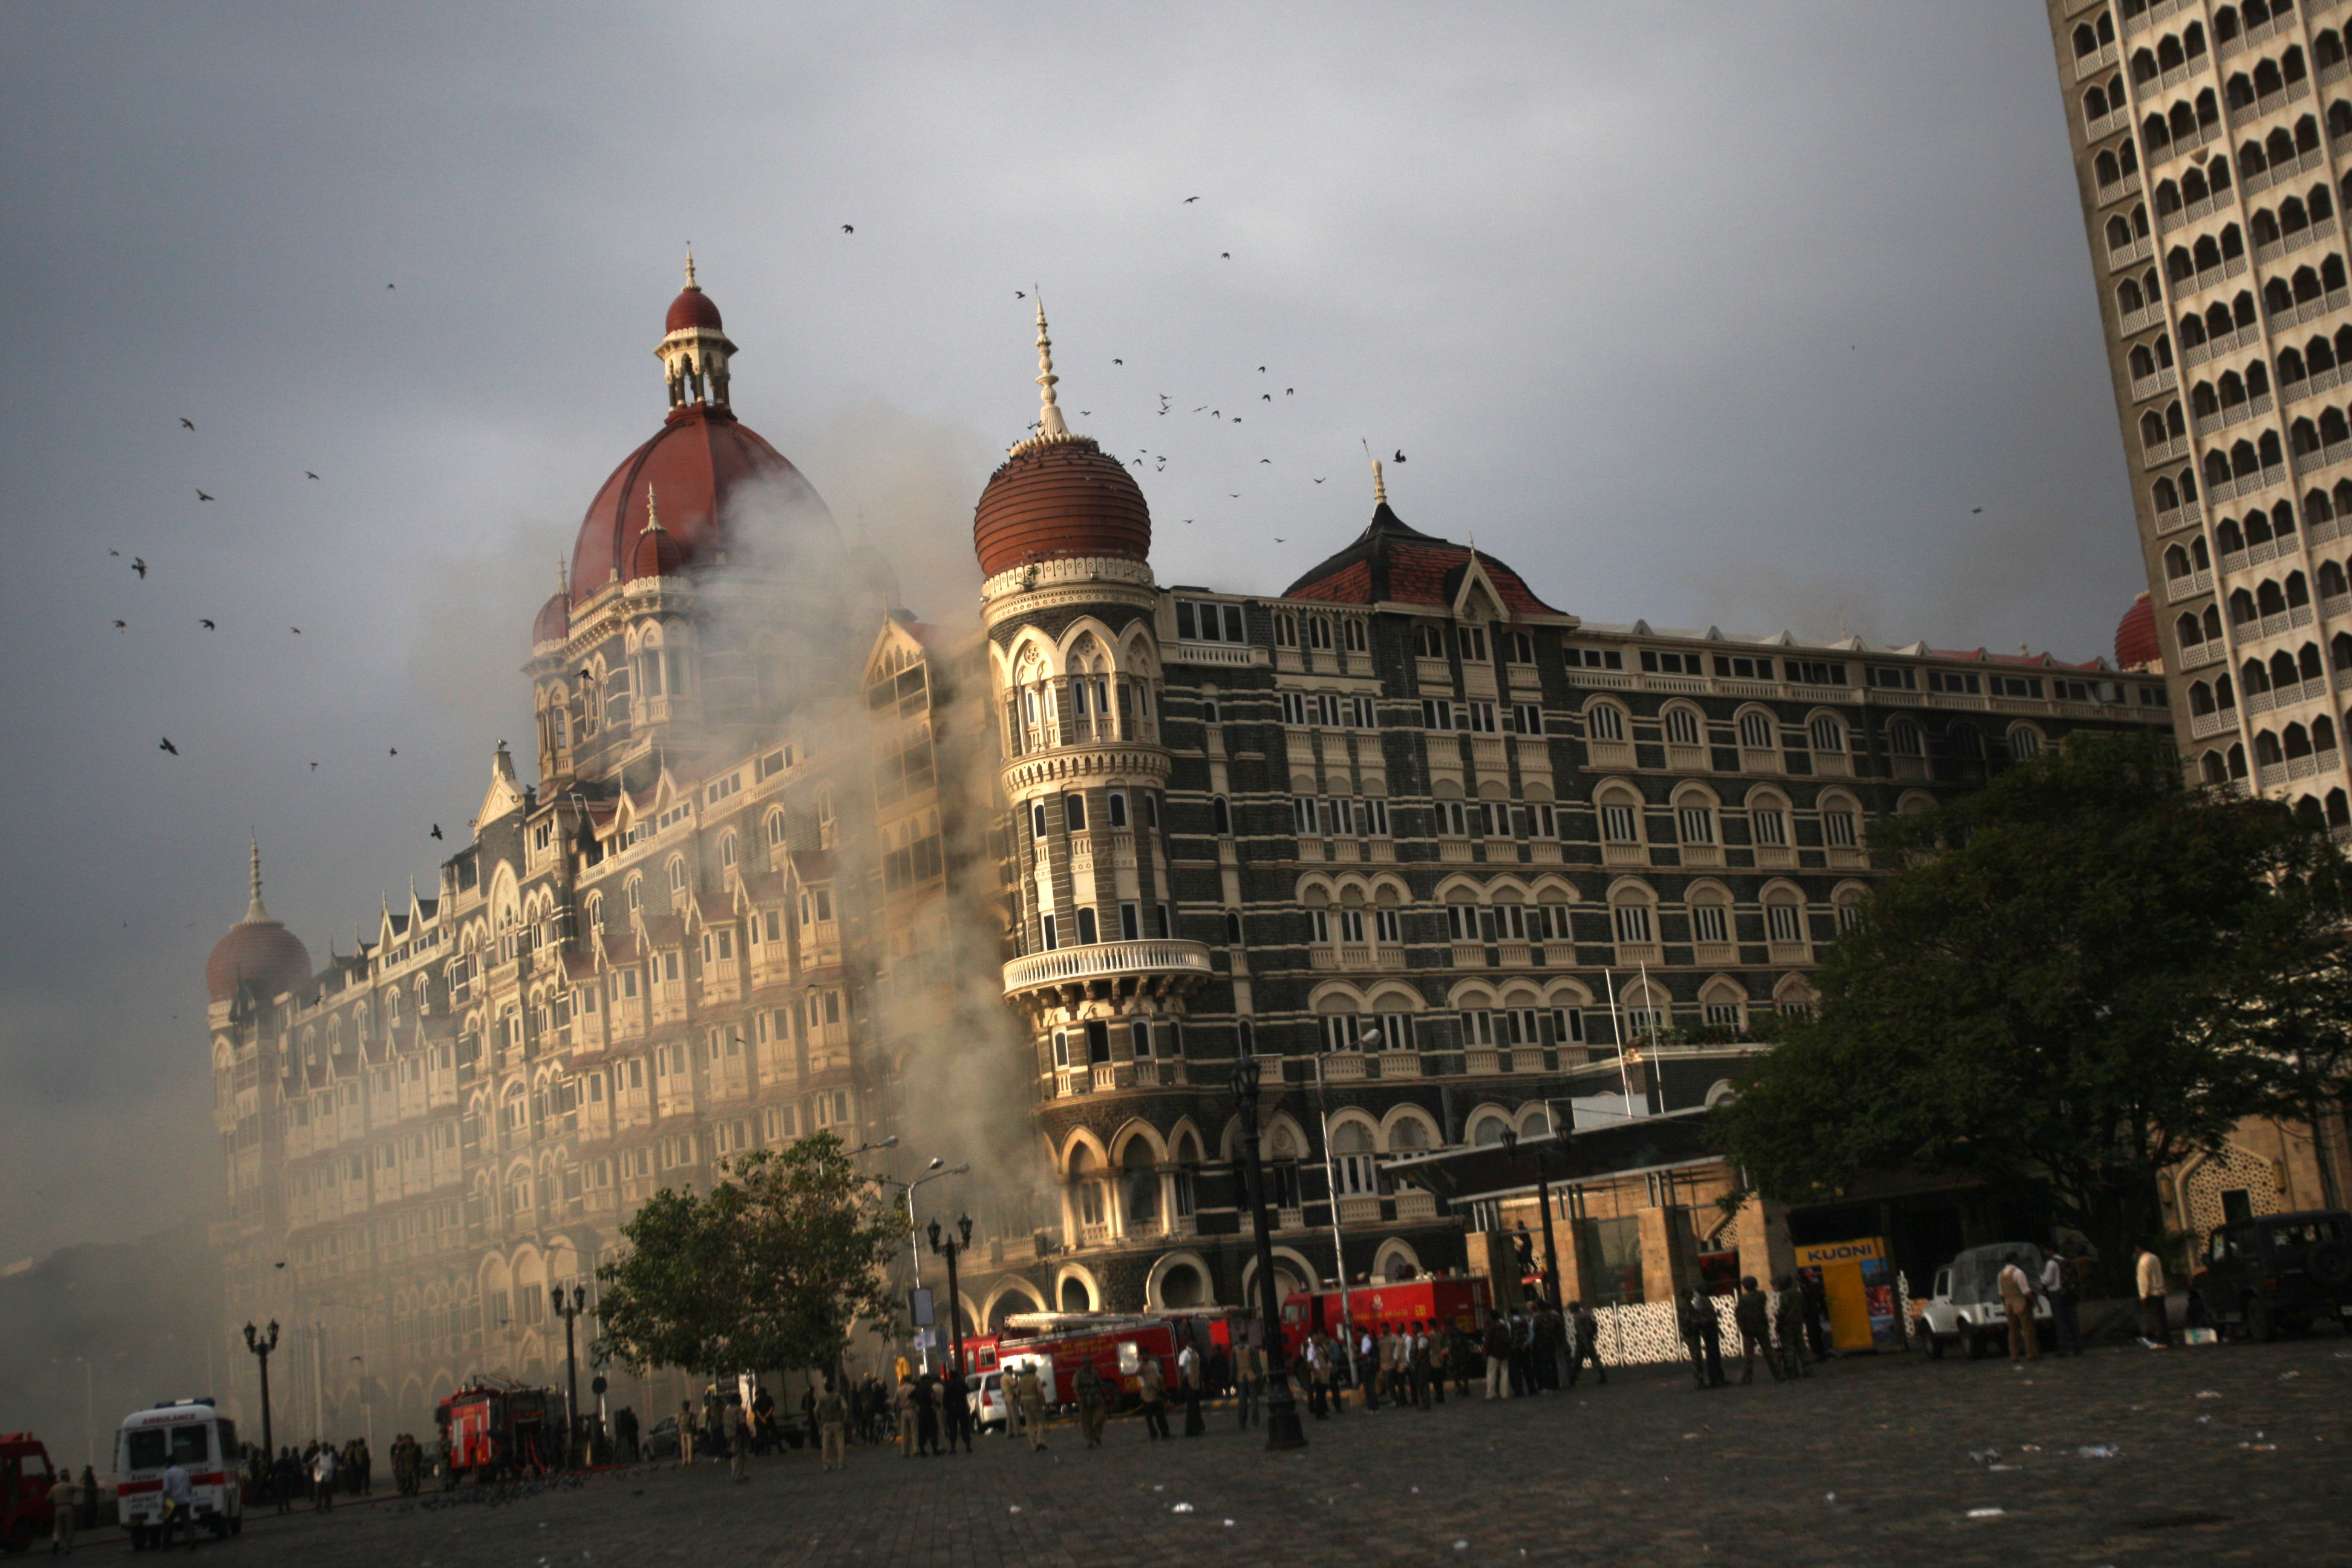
pixel 1860 1288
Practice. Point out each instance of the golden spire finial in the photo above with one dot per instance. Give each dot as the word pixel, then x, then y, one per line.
pixel 1050 424
pixel 1380 485
pixel 653 517
pixel 690 266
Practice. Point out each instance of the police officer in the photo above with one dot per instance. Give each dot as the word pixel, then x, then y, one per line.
pixel 1094 1396
pixel 1789 1325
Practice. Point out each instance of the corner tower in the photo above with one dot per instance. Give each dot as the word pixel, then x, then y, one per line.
pixel 1070 607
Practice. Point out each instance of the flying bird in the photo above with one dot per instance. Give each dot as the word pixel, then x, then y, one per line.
pixel 391 285
pixel 114 552
pixel 1974 510
pixel 296 630
pixel 1227 255
pixel 1019 295
pixel 187 424
pixel 1265 460
pixel 1290 392
pixel 437 830
pixel 1119 362
pixel 1232 495
pixel 309 475
pixel 166 745
pixel 280 1264
pixel 1265 397
pixel 1188 521
pixel 849 229
pixel 395 751
pixel 1319 481
pixel 119 625
pixel 1279 539
pixel 1399 457
pixel 139 563
pixel 314 767
pixel 1261 370
pixel 208 626
pixel 1188 200
pixel 201 496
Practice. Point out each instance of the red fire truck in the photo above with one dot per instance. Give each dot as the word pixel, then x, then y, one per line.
pixel 25 1481
pixel 495 1425
pixel 1059 1343
pixel 1462 1301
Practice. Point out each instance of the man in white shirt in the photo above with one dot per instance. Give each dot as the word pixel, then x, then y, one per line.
pixel 2154 1331
pixel 179 1506
pixel 323 1479
pixel 2059 1284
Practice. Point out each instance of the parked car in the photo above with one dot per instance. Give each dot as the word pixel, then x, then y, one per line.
pixel 2281 1272
pixel 989 1410
pixel 660 1441
pixel 1965 1310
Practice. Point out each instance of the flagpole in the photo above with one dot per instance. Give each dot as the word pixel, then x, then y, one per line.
pixel 1617 1023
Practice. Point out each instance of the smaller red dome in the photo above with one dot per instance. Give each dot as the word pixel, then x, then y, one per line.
pixel 554 622
pixel 660 554
pixel 691 309
pixel 2135 643
pixel 258 949
pixel 1060 499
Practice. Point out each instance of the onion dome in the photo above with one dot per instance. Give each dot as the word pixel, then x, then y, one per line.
pixel 258 951
pixel 700 458
pixel 658 554
pixel 2135 644
pixel 1058 496
pixel 554 622
pixel 692 308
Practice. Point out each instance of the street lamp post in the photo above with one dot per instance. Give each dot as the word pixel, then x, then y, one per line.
pixel 569 1310
pixel 931 1172
pixel 1543 1198
pixel 1282 1428
pixel 261 1341
pixel 951 1248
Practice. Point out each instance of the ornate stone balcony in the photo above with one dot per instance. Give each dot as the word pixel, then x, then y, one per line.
pixel 1106 971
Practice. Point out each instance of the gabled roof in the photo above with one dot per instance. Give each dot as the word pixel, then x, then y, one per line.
pixel 1392 562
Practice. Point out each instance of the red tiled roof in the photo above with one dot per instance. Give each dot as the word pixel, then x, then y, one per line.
pixel 813 864
pixel 1392 562
pixel 665 930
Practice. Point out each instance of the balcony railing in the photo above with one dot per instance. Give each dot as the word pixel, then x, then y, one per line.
pixel 1104 960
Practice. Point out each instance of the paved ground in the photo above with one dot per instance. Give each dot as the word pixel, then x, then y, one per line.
pixel 2238 1454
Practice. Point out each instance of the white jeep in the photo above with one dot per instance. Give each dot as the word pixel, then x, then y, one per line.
pixel 1966 1311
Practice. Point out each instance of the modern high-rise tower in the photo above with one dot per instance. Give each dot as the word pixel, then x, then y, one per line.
pixel 2212 145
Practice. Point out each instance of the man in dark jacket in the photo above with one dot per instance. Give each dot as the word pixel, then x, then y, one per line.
pixel 1753 1313
pixel 956 1398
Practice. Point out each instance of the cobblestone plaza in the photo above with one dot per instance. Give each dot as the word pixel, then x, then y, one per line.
pixel 2227 1455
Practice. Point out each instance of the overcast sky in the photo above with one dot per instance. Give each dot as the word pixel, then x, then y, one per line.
pixel 1717 314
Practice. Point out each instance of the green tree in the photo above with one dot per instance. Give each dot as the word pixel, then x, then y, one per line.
pixel 770 1269
pixel 2069 983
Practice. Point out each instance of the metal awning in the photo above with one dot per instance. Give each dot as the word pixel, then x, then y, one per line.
pixel 1677 1138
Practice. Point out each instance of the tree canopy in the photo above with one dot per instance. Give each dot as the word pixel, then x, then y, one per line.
pixel 2074 978
pixel 772 1269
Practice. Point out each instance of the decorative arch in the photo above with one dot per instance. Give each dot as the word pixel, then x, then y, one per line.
pixel 1010 1296
pixel 1075 1289
pixel 1168 1270
pixel 1398 1130
pixel 1396 1261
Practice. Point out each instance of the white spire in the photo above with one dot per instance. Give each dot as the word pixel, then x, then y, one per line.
pixel 1050 425
pixel 255 914
pixel 690 266
pixel 1380 485
pixel 653 518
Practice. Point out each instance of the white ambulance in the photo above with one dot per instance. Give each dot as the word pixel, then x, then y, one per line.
pixel 187 1433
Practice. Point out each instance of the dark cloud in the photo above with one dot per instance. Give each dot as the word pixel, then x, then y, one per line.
pixel 1706 314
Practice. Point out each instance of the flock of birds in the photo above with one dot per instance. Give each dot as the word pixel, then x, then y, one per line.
pixel 139 569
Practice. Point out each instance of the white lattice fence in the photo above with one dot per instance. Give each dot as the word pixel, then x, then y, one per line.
pixel 1650 1333
pixel 2233 1168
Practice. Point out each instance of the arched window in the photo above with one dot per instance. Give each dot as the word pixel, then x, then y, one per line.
pixel 1633 920
pixel 677 874
pixel 1138 1182
pixel 1904 739
pixel 1827 733
pixel 727 850
pixel 1488 1129
pixel 634 891
pixel 1684 727
pixel 776 828
pixel 1757 730
pixel 1352 1155
pixel 1840 822
pixel 1784 917
pixel 1220 816
pixel 1606 722
pixel 2024 742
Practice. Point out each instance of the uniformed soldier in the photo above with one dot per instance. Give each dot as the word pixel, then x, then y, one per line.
pixel 1249 1379
pixel 1032 1406
pixel 1788 1326
pixel 831 1414
pixel 1094 1396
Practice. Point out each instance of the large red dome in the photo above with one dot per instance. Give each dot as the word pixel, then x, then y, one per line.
pixel 261 951
pixel 1060 499
pixel 698 458
pixel 692 308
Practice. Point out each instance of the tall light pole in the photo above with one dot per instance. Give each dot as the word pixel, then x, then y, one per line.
pixel 261 1342
pixel 1543 1198
pixel 1282 1428
pixel 951 1249
pixel 568 1309
pixel 931 1172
